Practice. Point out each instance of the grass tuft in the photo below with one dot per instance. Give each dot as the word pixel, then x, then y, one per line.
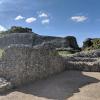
pixel 1 51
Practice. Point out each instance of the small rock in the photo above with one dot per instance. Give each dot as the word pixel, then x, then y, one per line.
pixel 4 85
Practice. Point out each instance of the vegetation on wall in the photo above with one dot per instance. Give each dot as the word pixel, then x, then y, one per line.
pixel 65 53
pixel 91 44
pixel 16 29
pixel 1 51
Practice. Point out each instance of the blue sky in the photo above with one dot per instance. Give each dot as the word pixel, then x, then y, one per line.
pixel 80 18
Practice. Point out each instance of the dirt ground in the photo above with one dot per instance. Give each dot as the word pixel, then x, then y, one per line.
pixel 69 85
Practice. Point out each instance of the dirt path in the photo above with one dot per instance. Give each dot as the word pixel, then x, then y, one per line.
pixel 69 85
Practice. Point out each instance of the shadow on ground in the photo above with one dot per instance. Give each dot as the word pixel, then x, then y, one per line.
pixel 59 87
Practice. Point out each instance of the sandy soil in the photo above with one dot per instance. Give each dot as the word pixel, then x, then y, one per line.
pixel 69 85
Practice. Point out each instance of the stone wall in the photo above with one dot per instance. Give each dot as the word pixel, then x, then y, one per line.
pixel 16 38
pixel 59 42
pixel 35 39
pixel 84 61
pixel 22 64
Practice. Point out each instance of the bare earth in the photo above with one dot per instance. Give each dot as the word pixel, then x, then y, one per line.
pixel 69 85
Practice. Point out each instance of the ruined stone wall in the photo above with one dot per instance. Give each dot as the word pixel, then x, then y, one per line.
pixel 16 38
pixel 84 61
pixel 23 64
pixel 35 39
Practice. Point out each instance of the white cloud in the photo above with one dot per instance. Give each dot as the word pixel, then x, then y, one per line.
pixel 79 18
pixel 43 15
pixel 19 17
pixel 2 28
pixel 45 21
pixel 30 20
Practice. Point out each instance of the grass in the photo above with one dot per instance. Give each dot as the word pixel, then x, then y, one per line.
pixel 95 45
pixel 65 53
pixel 1 51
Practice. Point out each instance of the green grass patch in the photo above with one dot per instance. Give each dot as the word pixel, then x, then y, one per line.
pixel 1 51
pixel 65 53
pixel 95 45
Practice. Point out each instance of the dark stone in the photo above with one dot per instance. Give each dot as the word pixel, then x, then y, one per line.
pixel 71 42
pixel 87 43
